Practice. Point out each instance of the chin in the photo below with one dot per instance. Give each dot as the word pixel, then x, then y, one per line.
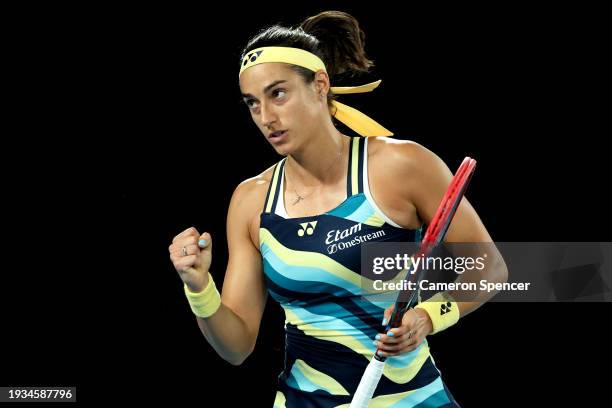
pixel 285 148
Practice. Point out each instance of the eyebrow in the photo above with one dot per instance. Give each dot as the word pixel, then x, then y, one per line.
pixel 267 88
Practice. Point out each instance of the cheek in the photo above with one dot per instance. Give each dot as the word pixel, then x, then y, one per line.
pixel 306 110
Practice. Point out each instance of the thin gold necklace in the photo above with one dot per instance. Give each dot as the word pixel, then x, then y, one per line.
pixel 300 197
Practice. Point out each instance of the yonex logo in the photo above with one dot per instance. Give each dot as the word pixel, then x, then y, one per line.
pixel 307 227
pixel 445 308
pixel 252 56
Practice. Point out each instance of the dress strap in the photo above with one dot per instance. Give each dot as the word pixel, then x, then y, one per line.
pixel 274 189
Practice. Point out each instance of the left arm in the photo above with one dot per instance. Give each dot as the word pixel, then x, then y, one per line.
pixel 430 179
pixel 425 178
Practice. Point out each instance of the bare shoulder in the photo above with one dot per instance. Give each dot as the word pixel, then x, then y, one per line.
pixel 407 160
pixel 404 154
pixel 255 187
pixel 248 201
pixel 398 170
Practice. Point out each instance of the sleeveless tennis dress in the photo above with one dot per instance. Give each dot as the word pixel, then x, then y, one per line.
pixel 311 266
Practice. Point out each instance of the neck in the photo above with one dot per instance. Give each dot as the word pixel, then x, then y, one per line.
pixel 321 160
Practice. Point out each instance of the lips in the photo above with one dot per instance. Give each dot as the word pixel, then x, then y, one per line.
pixel 277 134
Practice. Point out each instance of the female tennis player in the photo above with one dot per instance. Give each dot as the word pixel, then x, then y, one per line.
pixel 294 231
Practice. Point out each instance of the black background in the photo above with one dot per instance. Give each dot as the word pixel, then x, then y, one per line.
pixel 126 127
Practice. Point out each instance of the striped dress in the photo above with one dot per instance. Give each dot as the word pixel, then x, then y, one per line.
pixel 311 266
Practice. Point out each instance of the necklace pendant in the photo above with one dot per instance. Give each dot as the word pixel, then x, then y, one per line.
pixel 297 200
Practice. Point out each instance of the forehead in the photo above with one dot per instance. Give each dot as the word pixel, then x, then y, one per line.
pixel 254 79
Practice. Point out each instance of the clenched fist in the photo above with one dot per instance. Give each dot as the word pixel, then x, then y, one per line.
pixel 191 254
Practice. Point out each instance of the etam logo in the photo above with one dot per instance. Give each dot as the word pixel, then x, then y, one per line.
pixel 336 235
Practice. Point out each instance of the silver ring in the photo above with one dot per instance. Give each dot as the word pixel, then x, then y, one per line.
pixel 184 251
pixel 410 334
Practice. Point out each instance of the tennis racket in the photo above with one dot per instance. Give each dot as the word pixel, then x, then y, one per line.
pixel 433 236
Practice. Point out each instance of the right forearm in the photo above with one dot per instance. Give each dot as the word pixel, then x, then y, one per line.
pixel 228 335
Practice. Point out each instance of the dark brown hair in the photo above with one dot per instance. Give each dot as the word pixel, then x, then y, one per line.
pixel 333 36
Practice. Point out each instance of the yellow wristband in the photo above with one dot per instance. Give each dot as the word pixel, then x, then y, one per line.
pixel 204 304
pixel 442 310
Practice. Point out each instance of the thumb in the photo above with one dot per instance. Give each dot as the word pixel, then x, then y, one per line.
pixel 205 240
pixel 203 260
pixel 387 315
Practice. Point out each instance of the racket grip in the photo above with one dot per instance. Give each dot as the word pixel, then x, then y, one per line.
pixel 368 384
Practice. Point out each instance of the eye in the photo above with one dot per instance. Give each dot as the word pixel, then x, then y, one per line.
pixel 250 103
pixel 279 93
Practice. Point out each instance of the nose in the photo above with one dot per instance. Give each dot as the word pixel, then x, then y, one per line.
pixel 268 116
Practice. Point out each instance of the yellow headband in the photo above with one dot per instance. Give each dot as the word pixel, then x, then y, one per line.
pixel 351 117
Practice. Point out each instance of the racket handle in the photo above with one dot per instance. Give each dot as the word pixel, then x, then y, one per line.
pixel 368 384
pixel 398 315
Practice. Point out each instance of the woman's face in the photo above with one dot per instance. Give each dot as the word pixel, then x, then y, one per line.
pixel 284 107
